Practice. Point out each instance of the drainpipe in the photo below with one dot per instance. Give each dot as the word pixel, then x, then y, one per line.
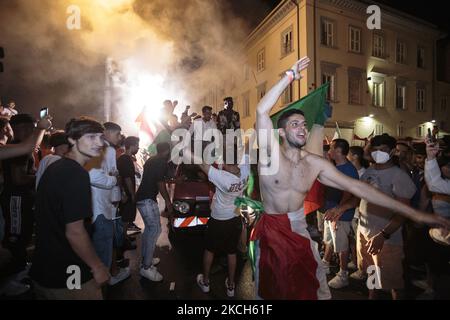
pixel 297 4
pixel 315 47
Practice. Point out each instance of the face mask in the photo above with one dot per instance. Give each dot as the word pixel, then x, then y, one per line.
pixel 380 157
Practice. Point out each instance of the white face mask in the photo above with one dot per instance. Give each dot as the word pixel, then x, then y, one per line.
pixel 380 157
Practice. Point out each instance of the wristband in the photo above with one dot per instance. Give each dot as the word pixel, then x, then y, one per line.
pixel 291 75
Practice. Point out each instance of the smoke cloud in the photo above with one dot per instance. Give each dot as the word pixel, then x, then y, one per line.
pixel 189 45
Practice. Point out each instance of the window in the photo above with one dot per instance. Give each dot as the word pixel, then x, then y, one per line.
pixel 400 130
pixel 286 42
pixel 378 46
pixel 286 97
pixel 327 33
pixel 443 104
pixel 246 104
pixel 261 91
pixel 400 102
pixel 354 89
pixel 420 57
pixel 327 77
pixel 378 129
pixel 420 131
pixel 420 100
pixel 261 60
pixel 378 94
pixel 354 35
pixel 400 52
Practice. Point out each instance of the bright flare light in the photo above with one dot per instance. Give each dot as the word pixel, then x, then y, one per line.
pixel 114 4
pixel 146 91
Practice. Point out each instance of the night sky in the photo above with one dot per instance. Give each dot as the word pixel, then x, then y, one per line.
pixel 47 78
pixel 434 11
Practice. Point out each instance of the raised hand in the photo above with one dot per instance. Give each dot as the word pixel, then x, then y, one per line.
pixel 299 66
pixel 432 149
pixel 44 123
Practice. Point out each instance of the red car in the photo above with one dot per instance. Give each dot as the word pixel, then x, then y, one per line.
pixel 191 194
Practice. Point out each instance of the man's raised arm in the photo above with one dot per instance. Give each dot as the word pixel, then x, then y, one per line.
pixel 263 122
pixel 330 176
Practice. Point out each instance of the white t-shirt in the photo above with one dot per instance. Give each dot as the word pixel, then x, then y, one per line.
pixel 109 166
pixel 199 127
pixel 393 182
pixel 228 188
pixel 43 165
pixel 8 112
pixel 360 174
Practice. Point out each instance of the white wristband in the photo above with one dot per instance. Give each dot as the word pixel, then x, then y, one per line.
pixel 291 75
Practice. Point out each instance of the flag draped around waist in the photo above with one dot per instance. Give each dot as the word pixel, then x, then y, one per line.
pixel 287 267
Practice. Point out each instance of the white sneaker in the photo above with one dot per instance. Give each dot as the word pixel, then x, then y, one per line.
pixel 340 280
pixel 326 267
pixel 358 275
pixel 155 261
pixel 151 274
pixel 230 289
pixel 124 273
pixel 204 287
pixel 14 288
pixel 351 265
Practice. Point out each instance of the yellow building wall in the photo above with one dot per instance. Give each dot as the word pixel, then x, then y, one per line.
pixel 394 27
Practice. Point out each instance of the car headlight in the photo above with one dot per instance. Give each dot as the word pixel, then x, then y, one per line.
pixel 181 206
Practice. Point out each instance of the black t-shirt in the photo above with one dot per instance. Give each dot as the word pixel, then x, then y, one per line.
pixel 63 197
pixel 155 170
pixel 125 165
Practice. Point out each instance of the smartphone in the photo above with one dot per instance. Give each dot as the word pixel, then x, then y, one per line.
pixel 431 137
pixel 43 113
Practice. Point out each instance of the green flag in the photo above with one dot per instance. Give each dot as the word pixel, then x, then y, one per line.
pixel 163 136
pixel 312 105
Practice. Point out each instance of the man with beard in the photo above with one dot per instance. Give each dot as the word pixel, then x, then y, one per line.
pixel 287 260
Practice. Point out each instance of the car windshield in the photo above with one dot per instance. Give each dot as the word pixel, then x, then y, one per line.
pixel 192 172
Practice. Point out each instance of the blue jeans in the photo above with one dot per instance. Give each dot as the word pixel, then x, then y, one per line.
pixel 118 233
pixel 149 211
pixel 102 238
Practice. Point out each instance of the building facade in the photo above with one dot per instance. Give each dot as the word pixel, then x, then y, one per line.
pixel 381 81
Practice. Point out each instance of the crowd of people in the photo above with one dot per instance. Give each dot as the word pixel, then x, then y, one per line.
pixel 73 193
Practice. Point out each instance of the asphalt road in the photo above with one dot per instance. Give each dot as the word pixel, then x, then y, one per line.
pixel 181 261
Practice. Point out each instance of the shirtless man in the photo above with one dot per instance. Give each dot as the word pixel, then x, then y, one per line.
pixel 287 260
